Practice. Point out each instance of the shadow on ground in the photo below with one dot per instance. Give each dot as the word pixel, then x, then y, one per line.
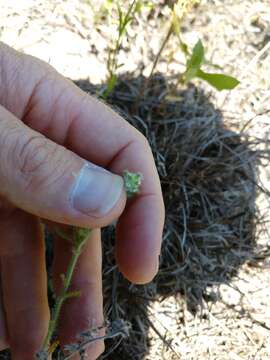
pixel 208 175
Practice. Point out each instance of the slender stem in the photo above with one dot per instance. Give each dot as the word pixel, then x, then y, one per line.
pixel 64 295
pixel 164 43
pixel 166 39
pixel 80 236
pixel 112 62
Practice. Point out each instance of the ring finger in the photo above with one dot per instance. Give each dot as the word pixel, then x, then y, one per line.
pixel 24 283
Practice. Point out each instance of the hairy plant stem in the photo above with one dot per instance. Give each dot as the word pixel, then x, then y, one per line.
pixel 67 278
pixel 78 238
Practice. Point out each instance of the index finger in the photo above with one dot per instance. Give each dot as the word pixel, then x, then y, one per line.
pixel 61 111
pixel 102 136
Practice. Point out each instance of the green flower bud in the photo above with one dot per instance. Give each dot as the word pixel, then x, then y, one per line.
pixel 132 182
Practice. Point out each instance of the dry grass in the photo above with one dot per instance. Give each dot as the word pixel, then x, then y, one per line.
pixel 209 182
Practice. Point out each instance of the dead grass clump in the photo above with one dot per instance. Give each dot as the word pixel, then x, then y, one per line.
pixel 208 175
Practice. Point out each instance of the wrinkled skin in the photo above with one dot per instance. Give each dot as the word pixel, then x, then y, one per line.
pixel 48 128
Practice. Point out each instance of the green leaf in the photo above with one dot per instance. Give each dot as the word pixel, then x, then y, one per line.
pixel 195 61
pixel 190 74
pixel 82 233
pixel 218 81
pixel 197 57
pixel 73 294
pixel 132 182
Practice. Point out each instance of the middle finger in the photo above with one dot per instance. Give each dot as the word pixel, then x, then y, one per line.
pixel 85 311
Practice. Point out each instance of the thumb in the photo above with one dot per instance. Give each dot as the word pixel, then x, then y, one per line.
pixel 50 181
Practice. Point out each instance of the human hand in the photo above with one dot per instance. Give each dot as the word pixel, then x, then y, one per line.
pixel 51 134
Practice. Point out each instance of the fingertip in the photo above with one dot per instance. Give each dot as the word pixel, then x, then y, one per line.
pixel 139 275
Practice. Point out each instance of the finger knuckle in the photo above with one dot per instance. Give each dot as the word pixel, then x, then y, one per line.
pixel 31 154
pixel 143 141
pixel 34 156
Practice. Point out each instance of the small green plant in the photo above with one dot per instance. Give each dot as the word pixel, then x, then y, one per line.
pixel 179 10
pixel 196 59
pixel 193 69
pixel 79 237
pixel 112 63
